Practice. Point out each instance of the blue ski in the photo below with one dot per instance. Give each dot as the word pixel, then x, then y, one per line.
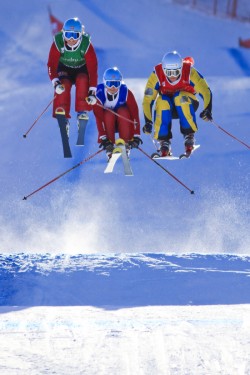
pixel 82 123
pixel 63 123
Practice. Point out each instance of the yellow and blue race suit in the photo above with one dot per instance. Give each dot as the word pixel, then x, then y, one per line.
pixel 164 101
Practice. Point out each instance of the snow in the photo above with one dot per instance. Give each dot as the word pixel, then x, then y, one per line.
pixel 104 274
pixel 125 314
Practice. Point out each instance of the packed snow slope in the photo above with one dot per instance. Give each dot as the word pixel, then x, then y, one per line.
pixel 145 314
pixel 87 211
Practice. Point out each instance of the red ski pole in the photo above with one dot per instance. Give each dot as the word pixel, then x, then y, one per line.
pixel 170 174
pixel 62 174
pixel 230 134
pixel 25 135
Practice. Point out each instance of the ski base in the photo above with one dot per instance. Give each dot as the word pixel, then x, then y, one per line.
pixel 82 123
pixel 62 122
pixel 170 157
pixel 125 159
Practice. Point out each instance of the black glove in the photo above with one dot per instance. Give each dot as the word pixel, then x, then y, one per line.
pixel 135 142
pixel 206 115
pixel 147 128
pixel 106 144
pixel 91 98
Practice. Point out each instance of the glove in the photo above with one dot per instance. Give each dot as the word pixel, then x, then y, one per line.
pixel 59 88
pixel 91 98
pixel 147 128
pixel 206 115
pixel 135 142
pixel 106 144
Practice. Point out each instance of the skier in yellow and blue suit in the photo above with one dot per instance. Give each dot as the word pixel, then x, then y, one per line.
pixel 171 94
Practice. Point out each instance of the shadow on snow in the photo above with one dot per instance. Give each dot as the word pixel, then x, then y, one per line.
pixel 123 280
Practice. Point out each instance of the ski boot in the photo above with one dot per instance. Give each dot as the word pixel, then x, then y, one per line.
pixel 83 115
pixel 165 148
pixel 189 144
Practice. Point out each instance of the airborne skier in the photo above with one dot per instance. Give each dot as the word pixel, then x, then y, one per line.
pixel 172 88
pixel 72 61
pixel 116 111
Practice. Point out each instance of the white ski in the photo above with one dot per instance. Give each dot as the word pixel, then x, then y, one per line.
pixel 186 156
pixel 171 157
pixel 111 163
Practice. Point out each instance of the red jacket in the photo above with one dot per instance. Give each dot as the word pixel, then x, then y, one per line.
pixel 132 106
pixel 183 84
pixel 91 63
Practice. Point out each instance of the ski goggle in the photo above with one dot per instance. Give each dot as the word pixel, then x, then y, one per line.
pixel 71 34
pixel 113 83
pixel 172 72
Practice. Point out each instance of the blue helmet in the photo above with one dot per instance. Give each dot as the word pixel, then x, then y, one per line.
pixel 72 28
pixel 73 24
pixel 112 74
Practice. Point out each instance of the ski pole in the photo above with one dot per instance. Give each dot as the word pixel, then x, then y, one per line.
pixel 170 174
pixel 117 114
pixel 153 141
pixel 230 134
pixel 25 135
pixel 62 174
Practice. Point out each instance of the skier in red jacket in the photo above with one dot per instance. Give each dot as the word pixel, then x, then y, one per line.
pixel 72 61
pixel 116 111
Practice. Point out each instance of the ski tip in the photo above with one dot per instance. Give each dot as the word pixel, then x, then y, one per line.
pixel 192 191
pixel 184 156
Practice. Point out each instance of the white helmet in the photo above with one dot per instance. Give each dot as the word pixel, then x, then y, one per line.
pixel 172 64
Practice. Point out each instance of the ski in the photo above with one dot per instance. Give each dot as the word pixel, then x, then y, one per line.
pixel 170 157
pixel 125 159
pixel 185 155
pixel 112 160
pixel 63 122
pixel 157 156
pixel 82 123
